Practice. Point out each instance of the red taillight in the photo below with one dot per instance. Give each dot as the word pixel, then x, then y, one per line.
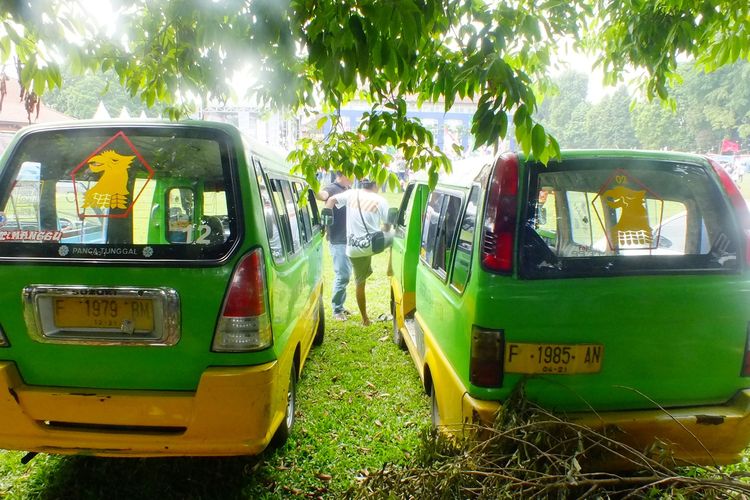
pixel 246 294
pixel 244 323
pixel 498 242
pixel 738 202
pixel 487 349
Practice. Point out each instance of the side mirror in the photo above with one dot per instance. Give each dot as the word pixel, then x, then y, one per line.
pixel 392 216
pixel 326 216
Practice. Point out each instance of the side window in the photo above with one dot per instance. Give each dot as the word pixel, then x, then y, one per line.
pixel 404 211
pixel 304 212
pixel 293 214
pixel 278 204
pixel 272 225
pixel 465 243
pixel 312 208
pixel 446 232
pixel 430 227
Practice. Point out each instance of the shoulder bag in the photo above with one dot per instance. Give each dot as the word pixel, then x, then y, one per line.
pixel 377 238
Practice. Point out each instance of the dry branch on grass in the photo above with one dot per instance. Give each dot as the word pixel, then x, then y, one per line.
pixel 532 453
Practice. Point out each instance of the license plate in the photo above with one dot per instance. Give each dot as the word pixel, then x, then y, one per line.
pixel 122 313
pixel 553 358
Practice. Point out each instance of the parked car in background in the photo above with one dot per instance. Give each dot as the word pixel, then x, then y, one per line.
pixel 161 290
pixel 612 285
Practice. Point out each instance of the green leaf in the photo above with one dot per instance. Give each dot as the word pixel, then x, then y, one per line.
pixel 538 140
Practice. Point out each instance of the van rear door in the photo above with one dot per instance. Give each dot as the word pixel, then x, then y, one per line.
pixel 121 240
pixel 642 260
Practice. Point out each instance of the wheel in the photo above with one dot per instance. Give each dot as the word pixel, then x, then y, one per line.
pixel 321 331
pixel 398 337
pixel 285 428
pixel 435 413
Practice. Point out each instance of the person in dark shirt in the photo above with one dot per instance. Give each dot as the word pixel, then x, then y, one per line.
pixel 342 268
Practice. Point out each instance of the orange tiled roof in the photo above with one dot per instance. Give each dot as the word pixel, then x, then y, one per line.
pixel 13 115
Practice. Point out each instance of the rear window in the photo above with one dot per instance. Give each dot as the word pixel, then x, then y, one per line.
pixel 133 193
pixel 603 217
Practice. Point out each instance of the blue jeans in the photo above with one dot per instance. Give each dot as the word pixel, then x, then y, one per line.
pixel 342 269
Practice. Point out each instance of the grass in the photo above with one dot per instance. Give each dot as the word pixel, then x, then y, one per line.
pixel 360 406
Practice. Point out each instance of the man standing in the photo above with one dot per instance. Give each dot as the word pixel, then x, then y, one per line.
pixel 367 211
pixel 342 268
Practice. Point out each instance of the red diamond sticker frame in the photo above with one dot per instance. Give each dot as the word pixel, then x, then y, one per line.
pixel 620 176
pixel 84 163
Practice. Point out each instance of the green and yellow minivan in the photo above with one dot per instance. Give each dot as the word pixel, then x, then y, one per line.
pixel 615 285
pixel 161 290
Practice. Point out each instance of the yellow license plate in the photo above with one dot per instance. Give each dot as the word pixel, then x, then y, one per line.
pixel 122 313
pixel 553 358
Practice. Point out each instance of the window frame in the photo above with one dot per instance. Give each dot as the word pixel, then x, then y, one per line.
pixel 290 203
pixel 446 193
pixel 475 188
pixel 261 177
pixel 445 272
pixel 407 201
pixel 531 249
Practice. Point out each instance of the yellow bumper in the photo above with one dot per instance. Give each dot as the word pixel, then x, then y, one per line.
pixel 234 411
pixel 705 435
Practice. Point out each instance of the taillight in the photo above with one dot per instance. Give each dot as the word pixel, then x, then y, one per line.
pixel 244 323
pixel 486 366
pixel 738 202
pixel 498 241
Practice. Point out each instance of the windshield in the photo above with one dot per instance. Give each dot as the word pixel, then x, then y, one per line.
pixel 623 216
pixel 137 193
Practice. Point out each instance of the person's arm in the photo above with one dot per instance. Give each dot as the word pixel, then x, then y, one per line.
pixel 337 200
pixel 323 195
pixel 383 208
pixel 331 201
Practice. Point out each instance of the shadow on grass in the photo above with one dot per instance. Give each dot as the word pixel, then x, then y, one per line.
pixel 163 478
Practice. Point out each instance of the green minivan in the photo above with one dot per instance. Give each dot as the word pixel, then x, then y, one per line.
pixel 615 285
pixel 161 290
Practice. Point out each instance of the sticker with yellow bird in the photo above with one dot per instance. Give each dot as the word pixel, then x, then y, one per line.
pixel 111 190
pixel 116 163
pixel 628 197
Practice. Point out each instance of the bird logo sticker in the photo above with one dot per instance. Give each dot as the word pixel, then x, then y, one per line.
pixel 111 190
pixel 105 181
pixel 627 222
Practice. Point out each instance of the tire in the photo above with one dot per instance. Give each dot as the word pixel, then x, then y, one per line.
pixel 285 428
pixel 434 411
pixel 321 331
pixel 398 337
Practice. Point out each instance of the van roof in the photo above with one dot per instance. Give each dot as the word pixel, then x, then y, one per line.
pixel 574 154
pixel 466 170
